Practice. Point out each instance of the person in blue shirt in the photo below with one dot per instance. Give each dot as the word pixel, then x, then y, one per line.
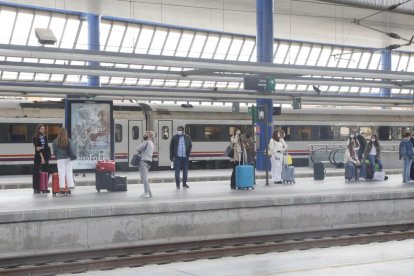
pixel 406 154
pixel 180 150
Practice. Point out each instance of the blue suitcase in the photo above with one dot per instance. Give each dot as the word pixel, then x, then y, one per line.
pixel 244 177
pixel 349 171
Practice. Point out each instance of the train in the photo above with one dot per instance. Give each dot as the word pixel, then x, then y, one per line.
pixel 210 128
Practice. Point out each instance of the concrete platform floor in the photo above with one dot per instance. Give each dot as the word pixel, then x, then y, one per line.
pixel 13 200
pixel 389 258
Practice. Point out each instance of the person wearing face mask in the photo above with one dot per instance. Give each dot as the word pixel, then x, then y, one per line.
pixel 352 137
pixel 236 144
pixel 276 159
pixel 180 150
pixel 248 145
pixel 146 148
pixel 373 153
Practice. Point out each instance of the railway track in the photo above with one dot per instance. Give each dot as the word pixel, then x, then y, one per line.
pixel 188 251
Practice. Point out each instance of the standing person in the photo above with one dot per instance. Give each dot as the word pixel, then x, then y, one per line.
pixel 236 144
pixel 362 145
pixel 61 149
pixel 146 149
pixel 276 158
pixel 406 154
pixel 180 150
pixel 373 153
pixel 41 157
pixel 248 146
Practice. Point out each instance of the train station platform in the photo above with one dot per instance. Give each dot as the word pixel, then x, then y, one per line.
pixel 34 224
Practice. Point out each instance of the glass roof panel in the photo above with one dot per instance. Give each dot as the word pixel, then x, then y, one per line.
pixel 375 61
pixel 410 67
pixel 40 20
pixel 364 62
pixel 7 18
pixel 82 42
pixel 68 39
pixel 22 28
pixel 314 55
pixel 303 55
pixel 235 48
pixel 115 37
pixel 198 44
pixel 210 46
pixel 222 47
pixel 185 43
pixel 158 41
pixel 130 38
pixel 144 39
pixel 171 43
pixel 247 49
pixel 57 25
pixel 325 55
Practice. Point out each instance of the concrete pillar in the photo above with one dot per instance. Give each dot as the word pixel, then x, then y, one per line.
pixel 386 66
pixel 94 44
pixel 264 45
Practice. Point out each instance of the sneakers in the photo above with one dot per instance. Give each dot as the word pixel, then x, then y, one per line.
pixel 36 191
pixel 45 191
pixel 146 195
pixel 186 186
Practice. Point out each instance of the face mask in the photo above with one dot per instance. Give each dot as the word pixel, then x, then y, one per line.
pixel 238 133
pixel 180 132
pixel 373 139
pixel 278 135
pixel 352 136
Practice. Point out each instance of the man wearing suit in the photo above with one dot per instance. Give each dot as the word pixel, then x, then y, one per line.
pixel 180 150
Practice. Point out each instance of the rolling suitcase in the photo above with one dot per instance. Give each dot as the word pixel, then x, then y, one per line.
pixel 105 166
pixel 370 173
pixel 55 185
pixel 244 177
pixel 349 171
pixel 119 183
pixel 103 180
pixel 319 171
pixel 363 171
pixel 43 181
pixel 288 174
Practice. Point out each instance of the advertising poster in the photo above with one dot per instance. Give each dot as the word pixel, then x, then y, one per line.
pixel 91 132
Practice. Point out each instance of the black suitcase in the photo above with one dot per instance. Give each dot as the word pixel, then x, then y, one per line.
pixel 119 183
pixel 412 171
pixel 103 180
pixel 319 171
pixel 370 172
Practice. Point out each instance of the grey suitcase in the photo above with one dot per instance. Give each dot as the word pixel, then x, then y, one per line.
pixel 288 174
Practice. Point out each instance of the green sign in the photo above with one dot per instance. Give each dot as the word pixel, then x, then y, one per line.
pixel 261 84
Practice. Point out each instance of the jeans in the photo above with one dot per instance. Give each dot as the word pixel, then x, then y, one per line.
pixel 371 159
pixel 143 172
pixel 181 162
pixel 406 169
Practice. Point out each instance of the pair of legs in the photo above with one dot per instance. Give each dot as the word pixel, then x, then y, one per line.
pixel 65 173
pixel 276 169
pixel 143 172
pixel 406 169
pixel 372 161
pixel 37 168
pixel 181 162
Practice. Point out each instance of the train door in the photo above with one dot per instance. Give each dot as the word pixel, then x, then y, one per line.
pixel 135 132
pixel 164 138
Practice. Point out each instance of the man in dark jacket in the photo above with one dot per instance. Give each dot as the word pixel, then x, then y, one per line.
pixel 180 150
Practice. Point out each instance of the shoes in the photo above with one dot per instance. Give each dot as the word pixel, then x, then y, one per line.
pixel 146 195
pixel 45 191
pixel 386 178
pixel 278 182
pixel 36 191
pixel 178 187
pixel 186 186
pixel 233 188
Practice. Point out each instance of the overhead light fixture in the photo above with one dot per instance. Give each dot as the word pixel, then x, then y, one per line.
pixel 45 36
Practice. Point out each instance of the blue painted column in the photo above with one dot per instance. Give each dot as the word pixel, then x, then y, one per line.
pixel 94 21
pixel 264 45
pixel 386 66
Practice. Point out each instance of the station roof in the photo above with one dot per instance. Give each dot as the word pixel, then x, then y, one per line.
pixel 202 49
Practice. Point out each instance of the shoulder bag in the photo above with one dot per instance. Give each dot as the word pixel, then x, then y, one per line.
pixel 136 159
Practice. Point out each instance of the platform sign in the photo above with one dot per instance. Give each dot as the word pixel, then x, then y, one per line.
pixel 261 84
pixel 91 131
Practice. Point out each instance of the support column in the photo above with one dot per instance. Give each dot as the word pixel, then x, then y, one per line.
pixel 264 46
pixel 94 44
pixel 386 66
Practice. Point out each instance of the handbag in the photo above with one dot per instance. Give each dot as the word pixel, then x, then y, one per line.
pixel 229 152
pixel 136 158
pixel 71 154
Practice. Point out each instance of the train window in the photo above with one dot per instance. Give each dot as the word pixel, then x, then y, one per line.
pixel 326 133
pixel 165 133
pixel 288 133
pixel 213 133
pixel 344 133
pixel 304 133
pixel 366 132
pixel 18 133
pixel 402 131
pixel 384 133
pixel 52 131
pixel 135 133
pixel 118 133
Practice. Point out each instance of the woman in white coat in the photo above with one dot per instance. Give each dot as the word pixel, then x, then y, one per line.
pixel 276 149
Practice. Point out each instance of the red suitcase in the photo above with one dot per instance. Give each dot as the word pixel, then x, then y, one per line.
pixel 55 184
pixel 43 181
pixel 105 166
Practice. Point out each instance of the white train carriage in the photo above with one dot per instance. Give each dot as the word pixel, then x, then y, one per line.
pixel 209 127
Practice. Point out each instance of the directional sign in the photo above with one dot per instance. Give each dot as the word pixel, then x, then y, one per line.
pixel 261 84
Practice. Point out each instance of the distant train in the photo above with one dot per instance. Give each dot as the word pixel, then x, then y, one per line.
pixel 209 127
